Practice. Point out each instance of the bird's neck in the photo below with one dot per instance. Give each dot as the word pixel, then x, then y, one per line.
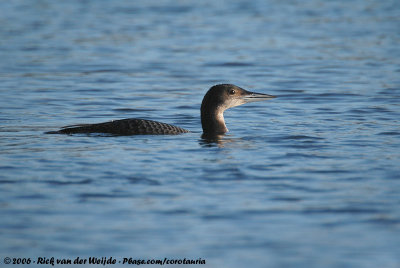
pixel 213 121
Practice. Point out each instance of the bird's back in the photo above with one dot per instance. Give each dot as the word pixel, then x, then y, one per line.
pixel 132 126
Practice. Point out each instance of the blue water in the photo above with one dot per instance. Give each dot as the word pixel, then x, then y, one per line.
pixel 309 179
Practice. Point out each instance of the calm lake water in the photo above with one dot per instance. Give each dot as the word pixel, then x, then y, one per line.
pixel 309 179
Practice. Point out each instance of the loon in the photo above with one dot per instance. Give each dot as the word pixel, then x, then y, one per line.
pixel 215 102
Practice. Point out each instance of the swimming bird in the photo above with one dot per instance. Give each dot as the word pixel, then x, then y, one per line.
pixel 217 99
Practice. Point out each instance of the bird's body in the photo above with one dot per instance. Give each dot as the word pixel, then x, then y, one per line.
pixel 130 126
pixel 215 102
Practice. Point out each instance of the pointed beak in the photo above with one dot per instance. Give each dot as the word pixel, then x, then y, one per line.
pixel 253 96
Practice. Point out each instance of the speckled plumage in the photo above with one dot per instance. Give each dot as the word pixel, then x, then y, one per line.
pixel 132 126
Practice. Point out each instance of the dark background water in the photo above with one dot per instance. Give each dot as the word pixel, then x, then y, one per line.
pixel 310 179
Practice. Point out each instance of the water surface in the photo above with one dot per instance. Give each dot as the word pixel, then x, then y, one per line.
pixel 309 179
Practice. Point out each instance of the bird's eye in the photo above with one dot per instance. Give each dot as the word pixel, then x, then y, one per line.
pixel 232 92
